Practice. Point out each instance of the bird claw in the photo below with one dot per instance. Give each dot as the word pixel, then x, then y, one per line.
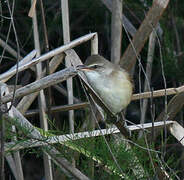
pixel 121 120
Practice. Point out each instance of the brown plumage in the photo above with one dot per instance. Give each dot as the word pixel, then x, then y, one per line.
pixel 112 83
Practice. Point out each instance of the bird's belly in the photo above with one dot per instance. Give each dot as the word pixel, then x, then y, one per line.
pixel 115 94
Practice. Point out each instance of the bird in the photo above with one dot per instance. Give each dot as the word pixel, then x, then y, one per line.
pixel 112 83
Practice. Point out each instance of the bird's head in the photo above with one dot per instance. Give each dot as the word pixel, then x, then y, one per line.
pixel 96 64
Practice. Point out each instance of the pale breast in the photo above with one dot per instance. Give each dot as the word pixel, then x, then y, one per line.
pixel 115 91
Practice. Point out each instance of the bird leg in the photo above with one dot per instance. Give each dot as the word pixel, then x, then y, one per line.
pixel 122 125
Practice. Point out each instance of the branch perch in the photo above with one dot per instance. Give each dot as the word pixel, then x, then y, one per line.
pixel 154 14
pixel 45 82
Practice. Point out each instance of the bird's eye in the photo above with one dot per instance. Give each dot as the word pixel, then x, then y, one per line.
pixel 95 66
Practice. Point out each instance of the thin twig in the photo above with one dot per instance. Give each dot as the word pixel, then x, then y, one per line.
pixel 72 137
pixel 41 99
pixel 18 51
pixel 57 51
pixel 26 101
pixel 148 73
pixel 43 83
pixel 48 90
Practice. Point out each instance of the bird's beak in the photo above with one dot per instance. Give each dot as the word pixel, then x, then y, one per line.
pixel 83 68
